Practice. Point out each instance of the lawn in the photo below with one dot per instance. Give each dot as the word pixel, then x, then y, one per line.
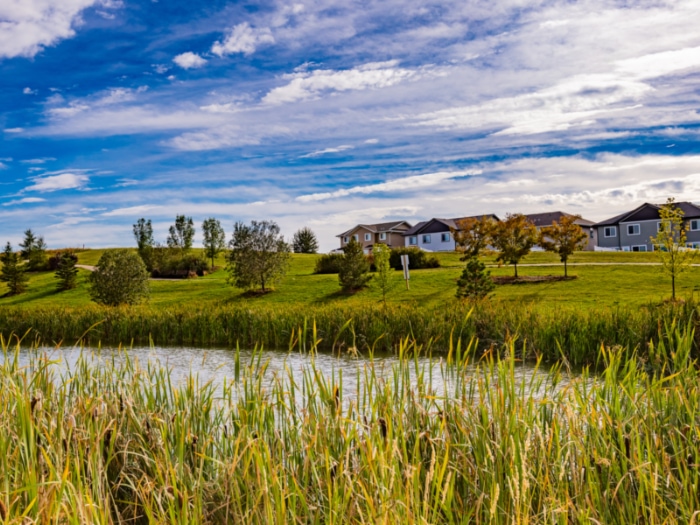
pixel 622 283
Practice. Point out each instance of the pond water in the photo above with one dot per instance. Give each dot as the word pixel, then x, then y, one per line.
pixel 349 372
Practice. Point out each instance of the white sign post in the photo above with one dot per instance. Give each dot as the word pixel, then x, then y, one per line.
pixel 406 275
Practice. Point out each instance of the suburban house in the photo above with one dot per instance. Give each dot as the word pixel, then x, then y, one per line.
pixel 435 235
pixel 389 233
pixel 547 218
pixel 632 230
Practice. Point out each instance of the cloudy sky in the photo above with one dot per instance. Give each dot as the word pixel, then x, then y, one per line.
pixel 328 113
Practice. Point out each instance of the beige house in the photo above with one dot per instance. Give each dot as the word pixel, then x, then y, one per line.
pixel 389 233
pixel 547 218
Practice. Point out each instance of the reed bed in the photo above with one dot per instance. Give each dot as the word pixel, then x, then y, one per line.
pixel 122 443
pixel 551 334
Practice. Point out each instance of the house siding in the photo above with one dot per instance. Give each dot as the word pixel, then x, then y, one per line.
pixel 647 230
pixel 360 232
pixel 435 244
pixel 608 242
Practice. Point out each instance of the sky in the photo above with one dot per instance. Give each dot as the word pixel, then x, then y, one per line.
pixel 330 113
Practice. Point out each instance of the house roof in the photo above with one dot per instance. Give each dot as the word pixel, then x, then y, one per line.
pixel 649 212
pixel 547 218
pixel 376 228
pixel 450 224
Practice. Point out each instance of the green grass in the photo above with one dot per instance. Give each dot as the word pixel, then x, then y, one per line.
pixel 123 443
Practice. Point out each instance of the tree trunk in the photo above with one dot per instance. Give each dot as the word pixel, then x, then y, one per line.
pixel 566 273
pixel 515 265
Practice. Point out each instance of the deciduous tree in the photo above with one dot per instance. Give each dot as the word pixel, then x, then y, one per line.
pixel 353 273
pixel 305 241
pixel 181 234
pixel 383 278
pixel 259 255
pixel 143 233
pixel 13 271
pixel 119 278
pixel 473 235
pixel 513 238
pixel 214 238
pixel 563 238
pixel 670 241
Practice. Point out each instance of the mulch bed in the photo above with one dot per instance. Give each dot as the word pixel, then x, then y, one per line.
pixel 532 279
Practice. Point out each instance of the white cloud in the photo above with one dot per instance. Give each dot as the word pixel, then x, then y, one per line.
pixel 131 211
pixel 309 84
pixel 41 160
pixel 13 130
pixel 397 185
pixel 64 181
pixel 327 150
pixel 243 38
pixel 29 91
pixel 372 141
pixel 27 26
pixel 189 60
pixel 26 200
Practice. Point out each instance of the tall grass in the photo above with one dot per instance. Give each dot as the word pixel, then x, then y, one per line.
pixel 552 334
pixel 121 443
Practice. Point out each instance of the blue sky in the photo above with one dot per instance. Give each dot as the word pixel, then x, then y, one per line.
pixel 328 113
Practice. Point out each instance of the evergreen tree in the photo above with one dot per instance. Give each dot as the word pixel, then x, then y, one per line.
pixel 13 271
pixel 34 251
pixel 475 282
pixel 181 234
pixel 305 241
pixel 354 267
pixel 66 272
pixel 27 244
pixel 214 238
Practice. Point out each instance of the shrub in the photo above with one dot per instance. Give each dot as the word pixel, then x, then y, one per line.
pixel 328 263
pixel 417 258
pixel 55 259
pixel 119 278
pixel 354 267
pixel 475 282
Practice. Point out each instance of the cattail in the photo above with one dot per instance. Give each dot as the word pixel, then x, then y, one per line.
pixel 336 396
pixel 36 402
pixel 382 427
pixel 3 511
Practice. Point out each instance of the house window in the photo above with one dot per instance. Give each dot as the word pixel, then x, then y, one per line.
pixel 368 236
pixel 346 239
pixel 426 239
pixel 694 245
pixel 382 236
pixel 639 248
pixel 445 237
pixel 633 229
pixel 610 231
pixel 356 237
pixel 694 225
pixel 413 240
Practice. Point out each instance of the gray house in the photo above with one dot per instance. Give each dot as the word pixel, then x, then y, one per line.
pixel 546 219
pixel 632 230
pixel 435 235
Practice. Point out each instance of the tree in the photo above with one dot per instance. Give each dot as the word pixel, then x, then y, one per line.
pixel 473 235
pixel 13 271
pixel 214 238
pixel 143 232
pixel 258 257
pixel 66 271
pixel 305 241
pixel 354 267
pixel 513 238
pixel 563 238
pixel 181 234
pixel 475 282
pixel 34 251
pixel 670 240
pixel 119 278
pixel 383 280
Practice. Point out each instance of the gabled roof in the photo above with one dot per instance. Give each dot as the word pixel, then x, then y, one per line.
pixel 650 212
pixel 450 224
pixel 547 218
pixel 377 228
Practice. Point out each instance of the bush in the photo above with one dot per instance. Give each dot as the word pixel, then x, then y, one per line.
pixel 168 262
pixel 417 258
pixel 55 259
pixel 329 263
pixel 119 278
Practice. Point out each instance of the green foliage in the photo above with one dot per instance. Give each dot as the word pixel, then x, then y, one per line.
pixel 258 257
pixel 120 277
pixel 475 282
pixel 214 238
pixel 417 258
pixel 172 263
pixel 473 235
pixel 513 238
pixel 13 271
pixel 143 232
pixel 383 278
pixel 328 263
pixel 670 241
pixel 66 271
pixel 353 273
pixel 305 241
pixel 181 234
pixel 34 251
pixel 563 238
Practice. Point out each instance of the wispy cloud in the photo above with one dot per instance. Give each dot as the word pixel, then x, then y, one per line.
pixel 131 211
pixel 64 181
pixel 25 200
pixel 13 130
pixel 243 38
pixel 326 151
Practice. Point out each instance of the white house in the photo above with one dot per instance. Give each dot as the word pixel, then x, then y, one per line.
pixel 435 235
